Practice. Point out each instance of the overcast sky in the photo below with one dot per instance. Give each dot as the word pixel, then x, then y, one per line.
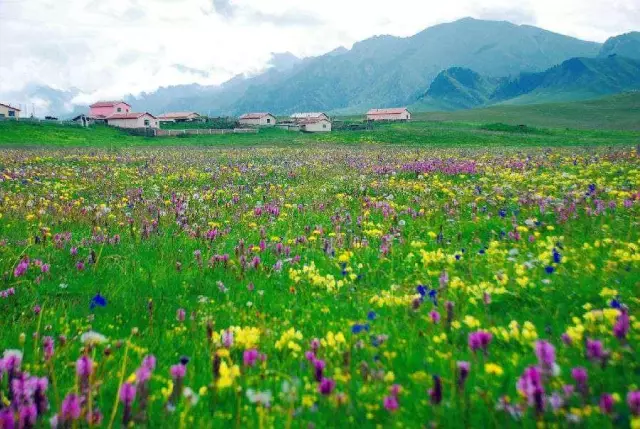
pixel 108 48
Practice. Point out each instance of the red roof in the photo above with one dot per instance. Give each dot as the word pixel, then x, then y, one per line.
pixel 108 103
pixel 131 115
pixel 10 107
pixel 259 115
pixel 392 111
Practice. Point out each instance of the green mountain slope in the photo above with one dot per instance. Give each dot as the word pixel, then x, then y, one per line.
pixel 614 112
pixel 387 70
pixel 574 79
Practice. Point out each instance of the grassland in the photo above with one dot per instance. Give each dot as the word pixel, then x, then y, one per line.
pixel 414 134
pixel 418 275
pixel 618 112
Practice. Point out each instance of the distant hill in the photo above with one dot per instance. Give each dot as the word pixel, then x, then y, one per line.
pixel 625 45
pixel 384 71
pixel 387 70
pixel 614 112
pixel 574 79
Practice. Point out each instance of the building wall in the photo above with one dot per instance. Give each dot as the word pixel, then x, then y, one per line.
pixel 265 121
pixel 4 112
pixel 134 123
pixel 318 127
pixel 303 117
pixel 109 110
pixel 405 116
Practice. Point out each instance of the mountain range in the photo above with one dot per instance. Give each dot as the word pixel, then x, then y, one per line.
pixel 462 64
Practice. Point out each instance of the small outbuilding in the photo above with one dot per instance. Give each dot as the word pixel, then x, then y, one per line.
pixel 133 120
pixel 180 117
pixel 261 119
pixel 393 114
pixel 9 112
pixel 309 116
pixel 320 125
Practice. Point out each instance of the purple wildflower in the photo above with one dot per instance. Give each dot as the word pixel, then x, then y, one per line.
pixel 621 327
pixel 71 409
pixel 606 403
pixel 633 400
pixel 480 340
pixel 546 354
pixel 326 386
pixel 250 357
pixel 463 373
pixel 435 393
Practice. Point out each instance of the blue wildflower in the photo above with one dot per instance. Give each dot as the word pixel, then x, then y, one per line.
pixel 481 251
pixel 549 269
pixel 502 213
pixel 421 290
pixel 97 301
pixel 615 303
pixel 371 315
pixel 357 328
pixel 556 256
pixel 433 296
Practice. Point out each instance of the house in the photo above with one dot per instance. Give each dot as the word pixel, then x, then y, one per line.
pixel 83 120
pixel 9 112
pixel 315 125
pixel 394 114
pixel 263 119
pixel 132 120
pixel 180 117
pixel 104 109
pixel 309 115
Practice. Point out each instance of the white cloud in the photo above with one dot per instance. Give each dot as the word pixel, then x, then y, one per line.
pixel 111 48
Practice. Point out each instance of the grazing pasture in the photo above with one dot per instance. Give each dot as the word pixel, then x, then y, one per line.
pixel 310 281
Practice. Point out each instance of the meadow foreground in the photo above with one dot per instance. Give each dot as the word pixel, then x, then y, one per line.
pixel 327 286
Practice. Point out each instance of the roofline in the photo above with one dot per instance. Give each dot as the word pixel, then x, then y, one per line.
pixel 10 107
pixel 113 103
pixel 139 114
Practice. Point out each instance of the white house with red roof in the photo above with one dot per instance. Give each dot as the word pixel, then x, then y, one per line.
pixel 132 120
pixel 392 114
pixel 261 119
pixel 10 112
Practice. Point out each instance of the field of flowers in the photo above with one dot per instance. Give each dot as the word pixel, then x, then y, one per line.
pixel 319 287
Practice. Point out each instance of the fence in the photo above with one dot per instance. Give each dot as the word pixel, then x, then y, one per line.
pixel 204 131
pixel 41 121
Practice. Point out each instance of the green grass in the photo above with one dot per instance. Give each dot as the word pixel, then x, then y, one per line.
pixel 618 112
pixel 415 134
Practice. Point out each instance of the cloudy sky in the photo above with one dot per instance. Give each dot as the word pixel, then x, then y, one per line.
pixel 108 48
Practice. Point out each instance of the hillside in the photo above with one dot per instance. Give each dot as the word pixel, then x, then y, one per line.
pixel 574 79
pixel 388 70
pixel 624 45
pixel 616 112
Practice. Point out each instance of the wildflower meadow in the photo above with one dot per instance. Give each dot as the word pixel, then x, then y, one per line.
pixel 320 286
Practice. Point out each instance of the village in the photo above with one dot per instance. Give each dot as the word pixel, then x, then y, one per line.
pixel 120 114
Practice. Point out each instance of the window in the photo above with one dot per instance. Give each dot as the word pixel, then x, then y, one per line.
pixel 2 115
pixel 146 122
pixel 324 125
pixel 268 120
pixel 119 109
pixel 12 113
